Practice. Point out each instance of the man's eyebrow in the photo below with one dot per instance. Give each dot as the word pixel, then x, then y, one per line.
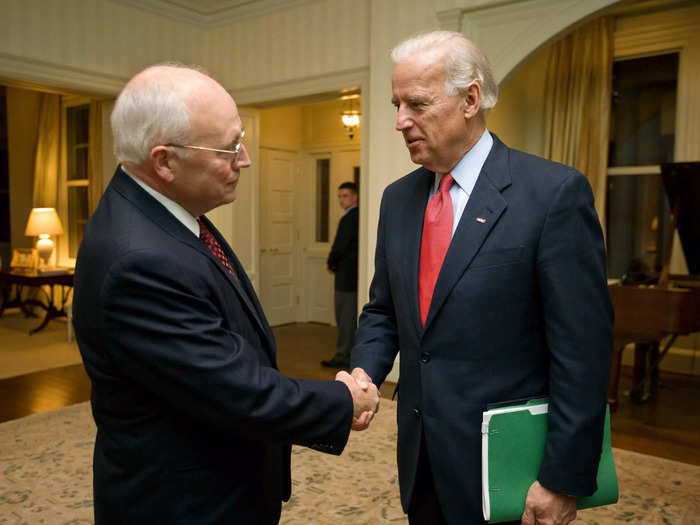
pixel 417 99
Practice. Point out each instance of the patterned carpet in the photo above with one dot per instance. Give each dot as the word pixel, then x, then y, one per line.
pixel 45 478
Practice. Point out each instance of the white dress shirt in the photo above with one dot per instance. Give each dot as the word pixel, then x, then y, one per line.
pixel 173 207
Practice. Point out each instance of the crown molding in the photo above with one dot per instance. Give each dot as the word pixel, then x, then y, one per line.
pixel 72 79
pixel 250 9
pixel 281 91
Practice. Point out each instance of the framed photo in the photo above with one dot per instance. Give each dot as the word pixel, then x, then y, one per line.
pixel 24 258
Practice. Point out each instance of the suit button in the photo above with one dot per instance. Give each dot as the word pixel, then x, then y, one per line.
pixel 416 412
pixel 425 357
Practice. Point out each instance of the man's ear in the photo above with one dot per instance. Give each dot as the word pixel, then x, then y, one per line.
pixel 472 100
pixel 162 159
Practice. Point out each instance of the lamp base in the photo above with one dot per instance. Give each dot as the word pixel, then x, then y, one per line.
pixel 44 248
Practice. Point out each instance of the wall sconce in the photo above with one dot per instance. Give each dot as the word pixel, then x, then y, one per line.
pixel 350 116
pixel 43 222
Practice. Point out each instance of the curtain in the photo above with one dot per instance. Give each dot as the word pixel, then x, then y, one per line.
pixel 578 92
pixel 46 158
pixel 95 153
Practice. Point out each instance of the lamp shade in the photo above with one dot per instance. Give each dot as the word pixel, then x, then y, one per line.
pixel 43 221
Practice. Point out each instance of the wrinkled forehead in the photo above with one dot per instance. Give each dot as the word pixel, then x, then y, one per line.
pixel 214 115
pixel 423 69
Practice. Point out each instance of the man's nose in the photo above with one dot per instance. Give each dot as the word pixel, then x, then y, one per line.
pixel 243 160
pixel 403 120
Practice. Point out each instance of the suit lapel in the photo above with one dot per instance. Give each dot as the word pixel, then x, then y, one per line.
pixel 484 207
pixel 242 285
pixel 412 226
pixel 161 216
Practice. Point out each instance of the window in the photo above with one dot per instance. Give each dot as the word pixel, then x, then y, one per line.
pixel 323 172
pixel 76 185
pixel 642 136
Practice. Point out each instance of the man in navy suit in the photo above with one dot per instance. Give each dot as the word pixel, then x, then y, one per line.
pixel 342 261
pixel 490 280
pixel 194 421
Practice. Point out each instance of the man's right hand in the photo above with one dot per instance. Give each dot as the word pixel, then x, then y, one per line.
pixel 365 400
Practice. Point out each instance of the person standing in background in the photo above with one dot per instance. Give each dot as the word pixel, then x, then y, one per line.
pixel 342 261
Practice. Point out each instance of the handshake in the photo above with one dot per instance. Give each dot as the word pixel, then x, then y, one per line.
pixel 365 397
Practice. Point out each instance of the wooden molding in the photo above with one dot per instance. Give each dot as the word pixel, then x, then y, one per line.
pixel 59 76
pixel 217 18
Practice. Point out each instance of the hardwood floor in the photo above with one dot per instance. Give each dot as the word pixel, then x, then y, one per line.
pixel 668 426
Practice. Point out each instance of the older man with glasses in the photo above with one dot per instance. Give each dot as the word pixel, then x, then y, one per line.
pixel 194 421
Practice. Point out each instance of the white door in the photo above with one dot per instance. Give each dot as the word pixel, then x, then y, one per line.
pixel 318 281
pixel 278 172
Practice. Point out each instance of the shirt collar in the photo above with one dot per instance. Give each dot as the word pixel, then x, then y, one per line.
pixel 468 168
pixel 349 208
pixel 173 207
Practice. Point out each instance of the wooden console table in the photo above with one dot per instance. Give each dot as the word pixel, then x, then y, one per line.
pixel 20 279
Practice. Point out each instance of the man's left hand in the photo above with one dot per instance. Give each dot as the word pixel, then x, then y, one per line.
pixel 547 507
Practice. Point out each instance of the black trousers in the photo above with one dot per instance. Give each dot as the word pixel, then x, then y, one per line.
pixel 425 507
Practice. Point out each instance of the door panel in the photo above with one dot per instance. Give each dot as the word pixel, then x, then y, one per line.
pixel 277 227
pixel 318 281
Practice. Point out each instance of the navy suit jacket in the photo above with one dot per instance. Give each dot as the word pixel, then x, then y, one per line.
pixel 194 421
pixel 520 309
pixel 343 256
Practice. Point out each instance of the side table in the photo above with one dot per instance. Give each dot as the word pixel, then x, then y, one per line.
pixel 19 279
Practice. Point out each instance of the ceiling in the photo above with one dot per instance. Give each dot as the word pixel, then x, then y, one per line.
pixel 213 12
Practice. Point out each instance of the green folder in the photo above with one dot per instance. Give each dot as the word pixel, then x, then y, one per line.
pixel 512 447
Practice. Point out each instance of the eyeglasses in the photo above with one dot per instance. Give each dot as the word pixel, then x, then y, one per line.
pixel 236 151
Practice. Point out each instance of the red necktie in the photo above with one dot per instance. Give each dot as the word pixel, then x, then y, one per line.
pixel 214 246
pixel 437 234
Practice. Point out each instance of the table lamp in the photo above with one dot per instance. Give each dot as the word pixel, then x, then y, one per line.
pixel 44 222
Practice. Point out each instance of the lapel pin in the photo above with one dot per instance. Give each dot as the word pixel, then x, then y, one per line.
pixel 481 220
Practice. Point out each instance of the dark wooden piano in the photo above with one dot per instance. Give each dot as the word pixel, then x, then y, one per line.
pixel 647 315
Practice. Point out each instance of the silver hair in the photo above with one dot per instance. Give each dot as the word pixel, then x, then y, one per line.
pixel 464 63
pixel 147 114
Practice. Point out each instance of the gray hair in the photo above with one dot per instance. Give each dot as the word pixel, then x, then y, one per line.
pixel 464 63
pixel 149 113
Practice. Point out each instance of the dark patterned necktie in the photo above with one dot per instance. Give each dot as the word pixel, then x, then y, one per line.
pixel 214 246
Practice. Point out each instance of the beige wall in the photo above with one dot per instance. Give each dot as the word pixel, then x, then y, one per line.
pixel 22 127
pixel 322 125
pixel 281 128
pixel 305 127
pixel 311 40
pixel 99 44
pixel 517 118
pixel 71 43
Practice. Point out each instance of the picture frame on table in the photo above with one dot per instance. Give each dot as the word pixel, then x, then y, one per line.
pixel 24 258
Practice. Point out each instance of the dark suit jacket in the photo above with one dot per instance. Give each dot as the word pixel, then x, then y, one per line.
pixel 520 308
pixel 194 421
pixel 343 257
